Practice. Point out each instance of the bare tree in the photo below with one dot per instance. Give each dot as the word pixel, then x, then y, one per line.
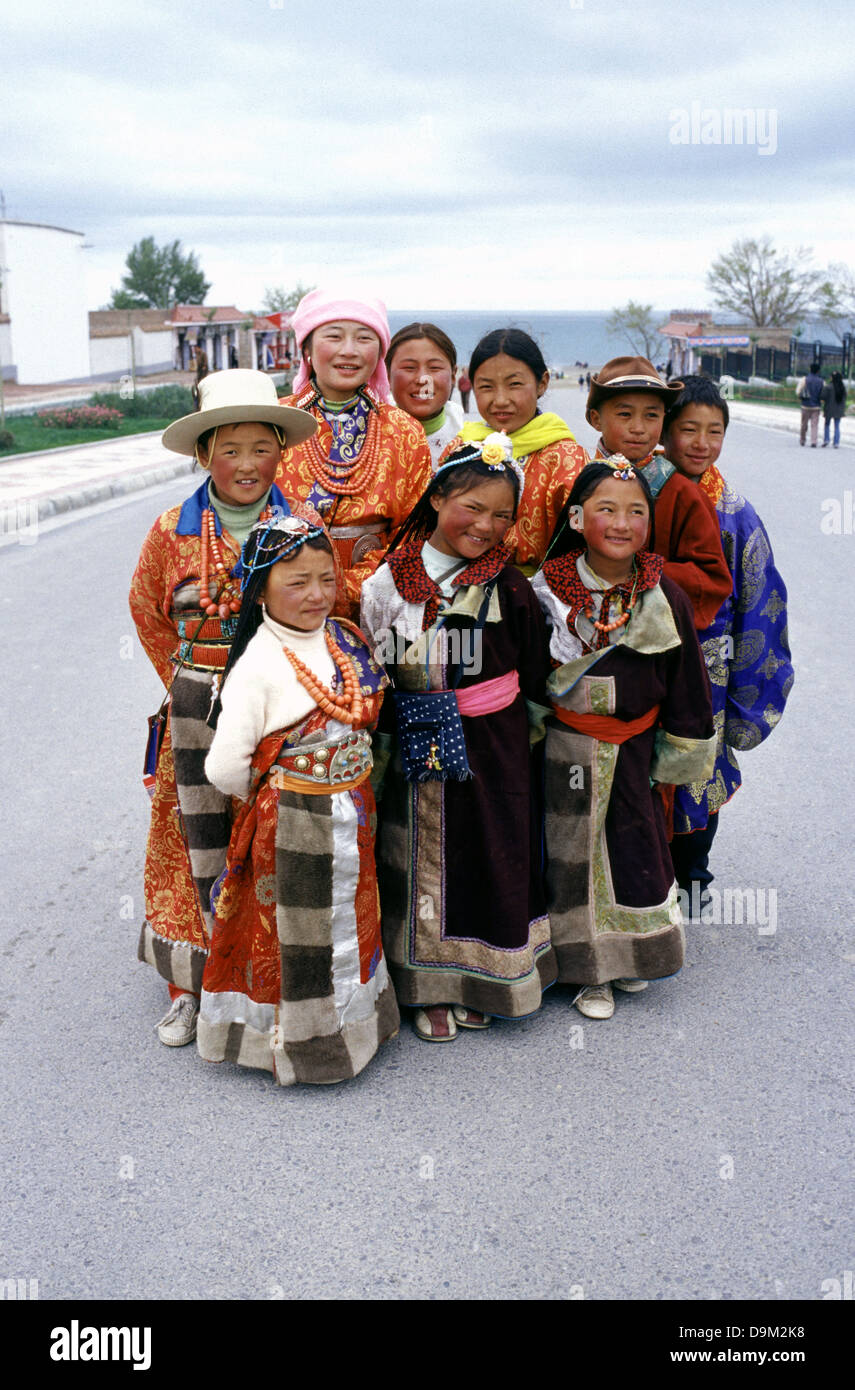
pixel 836 300
pixel 765 287
pixel 278 300
pixel 636 324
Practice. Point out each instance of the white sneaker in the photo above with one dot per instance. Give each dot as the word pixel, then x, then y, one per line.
pixel 630 986
pixel 595 1001
pixel 178 1025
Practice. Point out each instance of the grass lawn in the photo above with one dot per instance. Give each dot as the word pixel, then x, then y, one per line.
pixel 30 436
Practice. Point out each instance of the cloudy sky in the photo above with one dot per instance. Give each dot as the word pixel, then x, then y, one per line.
pixel 469 155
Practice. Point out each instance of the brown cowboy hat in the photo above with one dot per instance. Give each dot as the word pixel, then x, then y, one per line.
pixel 629 374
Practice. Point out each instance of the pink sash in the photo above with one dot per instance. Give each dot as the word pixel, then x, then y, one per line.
pixel 488 696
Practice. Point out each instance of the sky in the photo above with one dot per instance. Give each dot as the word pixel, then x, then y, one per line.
pixel 535 155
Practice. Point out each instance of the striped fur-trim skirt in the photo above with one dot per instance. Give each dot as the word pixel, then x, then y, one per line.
pixel 296 981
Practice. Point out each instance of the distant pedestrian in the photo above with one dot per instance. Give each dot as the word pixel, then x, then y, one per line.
pixel 464 386
pixel 588 380
pixel 581 383
pixel 233 356
pixel 811 401
pixel 834 407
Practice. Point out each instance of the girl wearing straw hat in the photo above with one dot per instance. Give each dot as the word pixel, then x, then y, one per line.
pixel 369 462
pixel 185 598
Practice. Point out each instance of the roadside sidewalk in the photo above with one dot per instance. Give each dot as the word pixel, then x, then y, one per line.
pixel 34 487
pixel 778 417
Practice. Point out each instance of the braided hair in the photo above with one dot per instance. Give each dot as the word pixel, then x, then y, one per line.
pixel 463 469
pixel 565 538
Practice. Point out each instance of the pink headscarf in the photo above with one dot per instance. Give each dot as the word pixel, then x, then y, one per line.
pixel 319 307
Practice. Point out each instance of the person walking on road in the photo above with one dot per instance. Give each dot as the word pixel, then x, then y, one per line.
pixel 811 399
pixel 833 407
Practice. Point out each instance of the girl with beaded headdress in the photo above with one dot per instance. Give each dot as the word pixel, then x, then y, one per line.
pixel 459 861
pixel 631 706
pixel 369 463
pixel 296 982
pixel 185 597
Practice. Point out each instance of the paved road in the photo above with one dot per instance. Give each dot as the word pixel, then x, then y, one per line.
pixel 541 1159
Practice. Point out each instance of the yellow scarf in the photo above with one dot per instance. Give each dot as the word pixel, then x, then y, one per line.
pixel 542 430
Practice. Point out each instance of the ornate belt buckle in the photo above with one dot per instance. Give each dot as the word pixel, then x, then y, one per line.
pixel 351 757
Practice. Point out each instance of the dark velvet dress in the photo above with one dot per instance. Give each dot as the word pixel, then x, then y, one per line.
pixel 460 866
pixel 611 893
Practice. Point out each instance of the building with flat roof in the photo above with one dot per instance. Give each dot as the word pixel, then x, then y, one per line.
pixel 43 324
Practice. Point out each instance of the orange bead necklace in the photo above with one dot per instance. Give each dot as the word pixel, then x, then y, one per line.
pixel 348 706
pixel 347 479
pixel 227 587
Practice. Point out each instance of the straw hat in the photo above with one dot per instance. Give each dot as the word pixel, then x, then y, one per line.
pixel 629 374
pixel 232 398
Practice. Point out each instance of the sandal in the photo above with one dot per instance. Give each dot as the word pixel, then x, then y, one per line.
pixel 435 1024
pixel 471 1018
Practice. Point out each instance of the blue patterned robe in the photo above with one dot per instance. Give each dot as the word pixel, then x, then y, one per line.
pixel 746 651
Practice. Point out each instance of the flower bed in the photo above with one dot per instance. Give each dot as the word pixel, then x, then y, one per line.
pixel 80 417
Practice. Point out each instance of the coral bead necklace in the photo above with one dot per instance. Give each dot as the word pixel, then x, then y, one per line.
pixel 347 707
pixel 338 477
pixel 226 585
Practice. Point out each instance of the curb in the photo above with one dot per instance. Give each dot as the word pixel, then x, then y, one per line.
pixel 109 488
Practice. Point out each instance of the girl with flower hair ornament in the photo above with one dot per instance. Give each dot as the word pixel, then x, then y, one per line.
pixel 631 706
pixel 459 861
pixel 296 982
pixel 509 377
pixel 184 599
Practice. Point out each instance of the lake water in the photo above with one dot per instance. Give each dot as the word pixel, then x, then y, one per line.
pixel 564 338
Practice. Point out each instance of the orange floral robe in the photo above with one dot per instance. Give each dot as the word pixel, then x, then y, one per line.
pixel 404 471
pixel 166 562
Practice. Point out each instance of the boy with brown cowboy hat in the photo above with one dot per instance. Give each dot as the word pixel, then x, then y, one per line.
pixel 627 403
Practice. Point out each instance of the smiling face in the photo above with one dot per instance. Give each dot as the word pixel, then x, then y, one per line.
pixel 694 439
pixel 243 463
pixel 343 357
pixel 300 592
pixel 471 522
pixel 615 520
pixel 421 378
pixel 507 392
pixel 630 423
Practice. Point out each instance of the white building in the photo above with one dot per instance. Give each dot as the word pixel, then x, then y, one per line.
pixel 44 327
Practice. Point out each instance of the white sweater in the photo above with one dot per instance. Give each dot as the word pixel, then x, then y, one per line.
pixel 262 694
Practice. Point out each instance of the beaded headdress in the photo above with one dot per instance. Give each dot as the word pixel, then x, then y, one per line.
pixel 275 540
pixel 495 452
pixel 621 467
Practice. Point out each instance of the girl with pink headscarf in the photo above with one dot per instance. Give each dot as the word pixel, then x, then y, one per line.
pixel 369 462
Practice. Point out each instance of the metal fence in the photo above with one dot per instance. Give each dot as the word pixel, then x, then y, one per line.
pixel 776 364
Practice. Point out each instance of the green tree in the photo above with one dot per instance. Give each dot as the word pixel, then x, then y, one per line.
pixel 765 287
pixel 159 276
pixel 636 323
pixel 278 300
pixel 836 300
